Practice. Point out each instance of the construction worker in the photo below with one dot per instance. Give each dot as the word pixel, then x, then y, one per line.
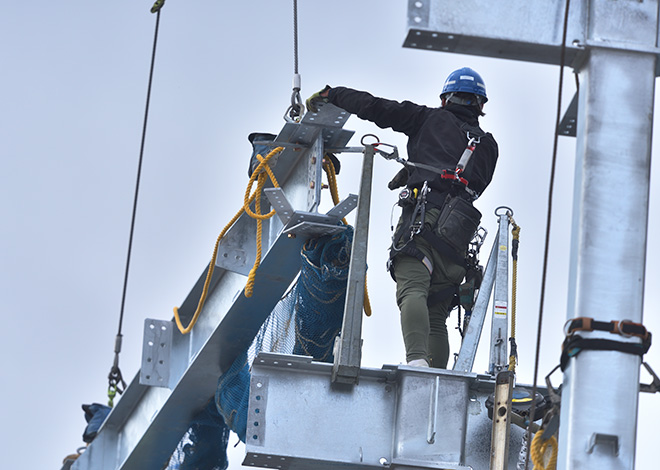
pixel 427 257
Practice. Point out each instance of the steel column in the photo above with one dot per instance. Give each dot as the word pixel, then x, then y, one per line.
pixel 600 389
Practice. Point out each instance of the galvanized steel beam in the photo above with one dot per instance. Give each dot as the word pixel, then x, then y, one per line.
pixel 396 417
pixel 613 46
pixel 148 421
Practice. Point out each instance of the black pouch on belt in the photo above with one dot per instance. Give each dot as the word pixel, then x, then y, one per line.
pixel 457 223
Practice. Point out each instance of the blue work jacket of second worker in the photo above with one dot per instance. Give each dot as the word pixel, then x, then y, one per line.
pixel 435 136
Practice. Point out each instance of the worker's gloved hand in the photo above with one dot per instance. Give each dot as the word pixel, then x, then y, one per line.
pixel 318 97
pixel 334 160
pixel 400 179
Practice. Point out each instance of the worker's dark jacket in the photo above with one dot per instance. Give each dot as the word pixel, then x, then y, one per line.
pixel 435 136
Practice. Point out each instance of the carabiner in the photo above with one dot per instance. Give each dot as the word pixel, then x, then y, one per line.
pixel 472 140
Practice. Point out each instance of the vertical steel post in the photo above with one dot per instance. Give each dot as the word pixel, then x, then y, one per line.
pixel 348 346
pixel 608 249
pixel 499 334
pixel 499 441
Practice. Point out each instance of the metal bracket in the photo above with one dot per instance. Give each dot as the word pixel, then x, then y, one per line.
pixel 156 349
pixel 654 386
pixel 280 203
pixel 568 124
pixel 309 224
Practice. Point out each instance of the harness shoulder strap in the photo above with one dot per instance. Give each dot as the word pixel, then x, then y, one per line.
pixel 476 131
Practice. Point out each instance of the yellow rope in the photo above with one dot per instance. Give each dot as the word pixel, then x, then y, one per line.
pixel 261 176
pixel 332 184
pixel 261 181
pixel 514 282
pixel 539 452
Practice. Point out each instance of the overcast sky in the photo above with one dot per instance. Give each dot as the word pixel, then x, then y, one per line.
pixel 72 95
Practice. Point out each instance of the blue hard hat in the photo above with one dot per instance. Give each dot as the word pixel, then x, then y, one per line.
pixel 465 80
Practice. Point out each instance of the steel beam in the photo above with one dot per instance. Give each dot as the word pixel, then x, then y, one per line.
pixel 148 421
pixel 396 417
pixel 608 254
pixel 515 29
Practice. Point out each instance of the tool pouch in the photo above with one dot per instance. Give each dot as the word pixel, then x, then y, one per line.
pixel 457 223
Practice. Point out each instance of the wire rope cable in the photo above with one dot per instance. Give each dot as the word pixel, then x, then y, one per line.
pixel 295 112
pixel 116 383
pixel 562 59
pixel 295 37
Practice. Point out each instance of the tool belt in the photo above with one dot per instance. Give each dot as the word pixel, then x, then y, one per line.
pixel 456 225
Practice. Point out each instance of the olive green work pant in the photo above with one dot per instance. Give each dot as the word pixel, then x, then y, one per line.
pixel 424 327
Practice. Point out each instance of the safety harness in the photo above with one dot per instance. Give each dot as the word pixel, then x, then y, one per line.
pixel 415 202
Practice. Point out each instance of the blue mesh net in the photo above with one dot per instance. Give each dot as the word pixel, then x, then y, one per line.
pixel 305 321
pixel 204 445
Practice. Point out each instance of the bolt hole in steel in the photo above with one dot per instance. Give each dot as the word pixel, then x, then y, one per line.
pixel 384 462
pixel 501 411
pixel 152 326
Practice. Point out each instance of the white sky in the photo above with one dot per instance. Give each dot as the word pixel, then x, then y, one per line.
pixel 74 80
